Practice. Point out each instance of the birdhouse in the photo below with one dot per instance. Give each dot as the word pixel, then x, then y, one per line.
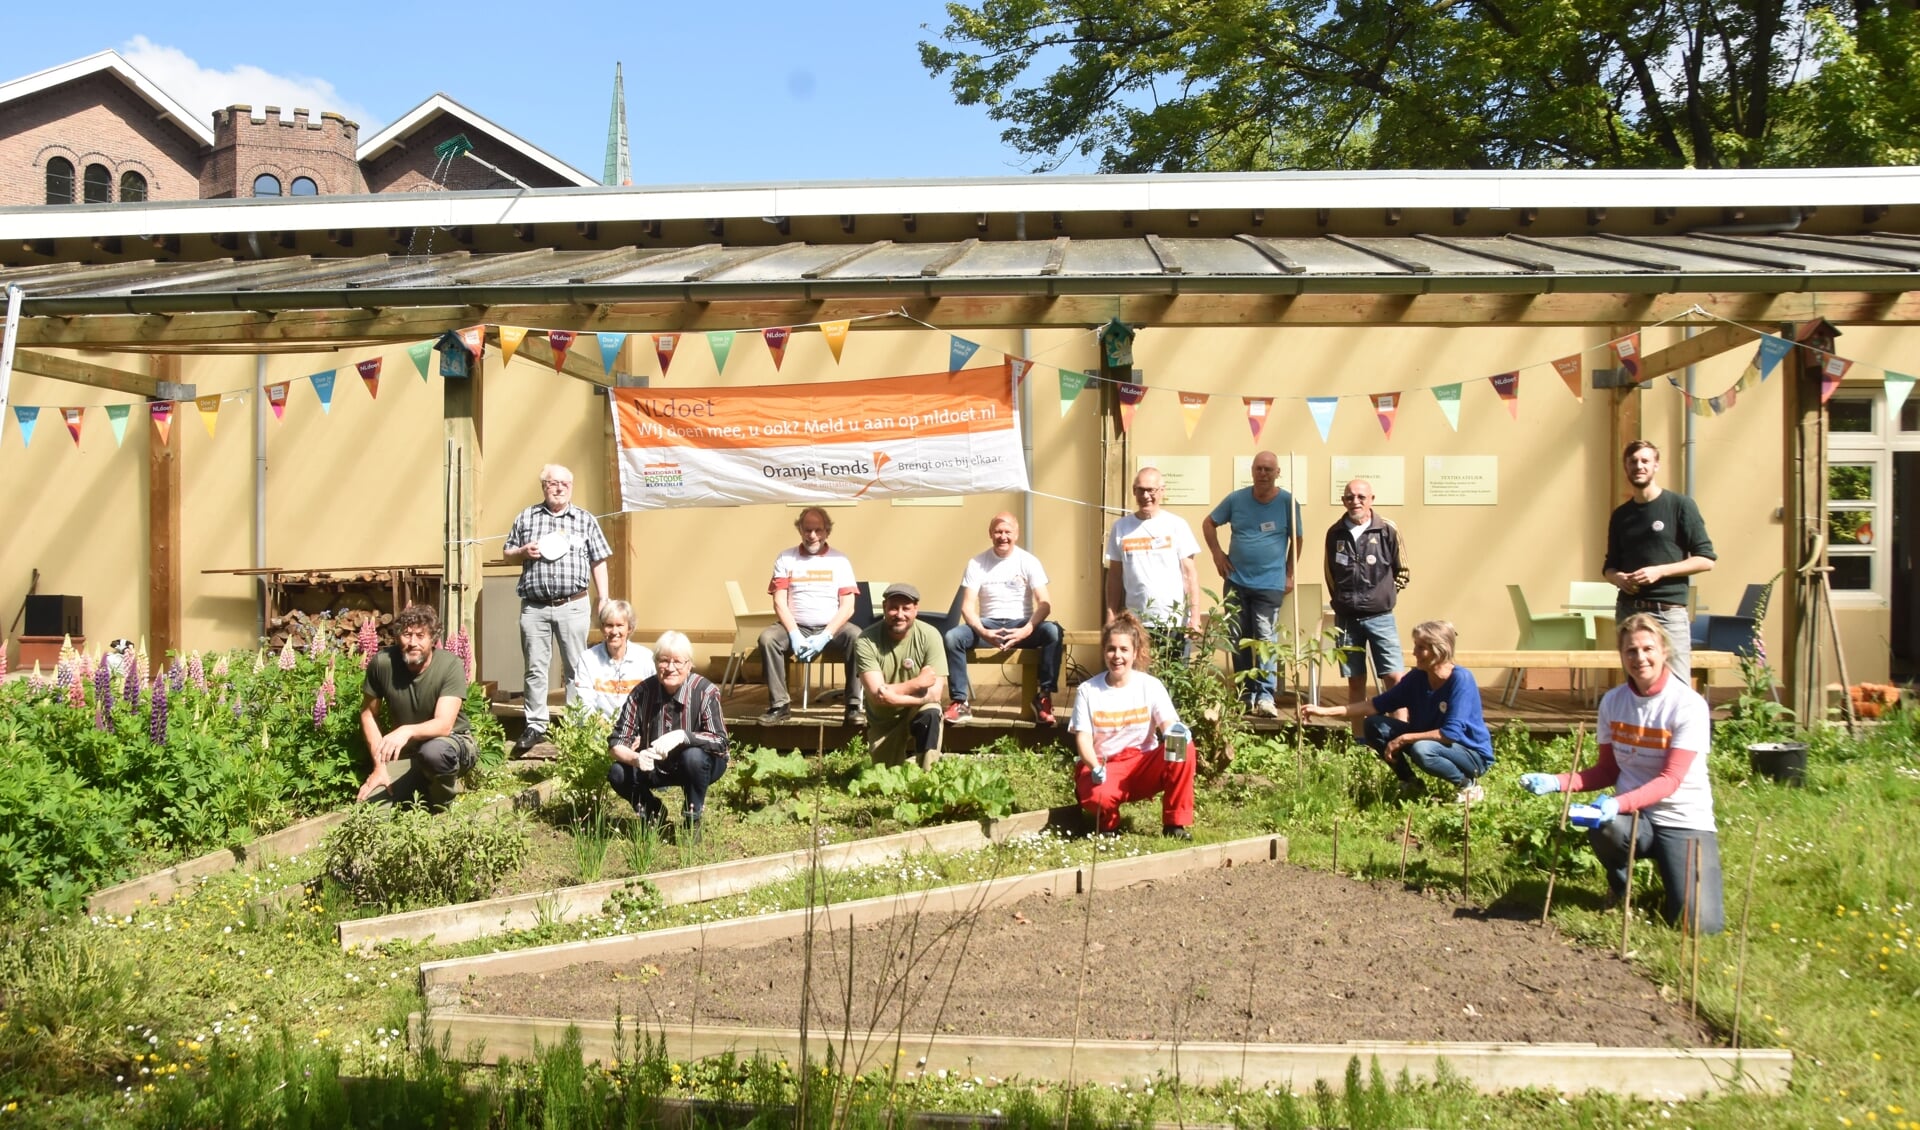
pixel 1116 344
pixel 456 363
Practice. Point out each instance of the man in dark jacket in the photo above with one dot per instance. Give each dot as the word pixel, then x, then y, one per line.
pixel 1365 572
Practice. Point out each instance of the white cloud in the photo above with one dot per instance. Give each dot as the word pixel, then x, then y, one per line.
pixel 204 90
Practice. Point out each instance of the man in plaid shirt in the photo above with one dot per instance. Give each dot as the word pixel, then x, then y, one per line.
pixel 559 546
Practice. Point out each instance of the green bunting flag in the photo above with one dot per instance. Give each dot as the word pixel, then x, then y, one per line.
pixel 1449 398
pixel 420 352
pixel 1070 386
pixel 721 342
pixel 1898 386
pixel 117 419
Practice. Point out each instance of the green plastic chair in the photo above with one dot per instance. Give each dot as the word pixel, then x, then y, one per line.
pixel 1595 594
pixel 1566 631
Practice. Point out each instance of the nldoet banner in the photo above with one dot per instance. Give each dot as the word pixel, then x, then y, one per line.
pixel 896 437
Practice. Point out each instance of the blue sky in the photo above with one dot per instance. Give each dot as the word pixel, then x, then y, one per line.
pixel 716 92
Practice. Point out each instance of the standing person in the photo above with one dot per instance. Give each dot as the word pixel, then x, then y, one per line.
pixel 902 665
pixel 560 547
pixel 1654 734
pixel 1120 721
pixel 1257 570
pixel 424 690
pixel 812 589
pixel 1365 571
pixel 669 732
pixel 1004 604
pixel 1445 732
pixel 1656 539
pixel 1150 569
pixel 614 666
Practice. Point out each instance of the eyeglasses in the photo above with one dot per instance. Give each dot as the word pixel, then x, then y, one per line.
pixel 670 661
pixel 555 484
pixel 1355 497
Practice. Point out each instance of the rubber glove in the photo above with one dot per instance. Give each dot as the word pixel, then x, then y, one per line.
pixel 1099 773
pixel 797 641
pixel 666 743
pixel 1609 808
pixel 817 643
pixel 1540 784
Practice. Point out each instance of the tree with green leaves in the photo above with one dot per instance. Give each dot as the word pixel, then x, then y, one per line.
pixel 1177 85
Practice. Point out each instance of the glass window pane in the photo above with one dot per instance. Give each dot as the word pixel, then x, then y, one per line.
pixel 266 184
pixel 97 187
pixel 1910 415
pixel 133 187
pixel 1853 416
pixel 1850 482
pixel 1852 572
pixel 59 181
pixel 303 186
pixel 1849 527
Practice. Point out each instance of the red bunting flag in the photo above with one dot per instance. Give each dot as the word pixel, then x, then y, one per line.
pixel 1130 397
pixel 277 399
pixel 1259 411
pixel 73 417
pixel 777 342
pixel 1386 405
pixel 561 341
pixel 370 373
pixel 1508 386
pixel 663 347
pixel 1832 371
pixel 1569 370
pixel 1626 355
pixel 1020 367
pixel 475 339
pixel 162 413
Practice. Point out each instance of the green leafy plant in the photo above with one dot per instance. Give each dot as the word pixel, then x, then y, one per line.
pixel 758 777
pixel 1757 715
pixel 1204 691
pixel 394 857
pixel 955 788
pixel 580 772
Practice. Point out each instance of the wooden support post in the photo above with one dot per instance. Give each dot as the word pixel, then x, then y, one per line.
pixel 163 526
pixel 461 413
pixel 1116 492
pixel 1624 428
pixel 620 528
pixel 1803 495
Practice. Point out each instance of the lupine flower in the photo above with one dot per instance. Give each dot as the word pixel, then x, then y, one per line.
pixel 286 654
pixel 221 668
pixel 63 674
pixel 130 690
pixel 235 705
pixel 103 687
pixel 323 698
pixel 260 661
pixel 463 647
pixel 3 657
pixel 369 641
pixel 176 675
pixel 197 672
pixel 318 646
pixel 85 668
pixel 37 681
pixel 100 717
pixel 76 691
pixel 157 718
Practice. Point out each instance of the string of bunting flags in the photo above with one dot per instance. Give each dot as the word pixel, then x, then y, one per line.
pixel 1624 352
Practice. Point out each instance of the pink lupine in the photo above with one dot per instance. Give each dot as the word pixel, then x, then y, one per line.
pixel 157 718
pixel 3 657
pixel 221 668
pixel 369 641
pixel 197 673
pixel 77 692
pixel 317 646
pixel 463 647
pixel 287 659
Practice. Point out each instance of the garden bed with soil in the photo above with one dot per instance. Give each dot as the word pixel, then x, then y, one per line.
pixel 1272 954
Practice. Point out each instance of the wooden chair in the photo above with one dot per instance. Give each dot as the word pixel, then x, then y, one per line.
pixel 1555 632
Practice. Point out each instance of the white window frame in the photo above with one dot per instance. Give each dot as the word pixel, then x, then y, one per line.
pixel 1871 449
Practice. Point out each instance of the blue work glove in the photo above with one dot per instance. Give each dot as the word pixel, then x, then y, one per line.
pixel 1609 808
pixel 1540 784
pixel 1099 774
pixel 797 640
pixel 817 643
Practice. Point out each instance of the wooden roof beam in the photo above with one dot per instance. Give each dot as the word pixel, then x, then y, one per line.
pixel 1699 347
pixel 99 376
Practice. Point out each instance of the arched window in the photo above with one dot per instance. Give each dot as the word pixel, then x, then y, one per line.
pixel 266 184
pixel 59 180
pixel 133 187
pixel 304 186
pixel 97 187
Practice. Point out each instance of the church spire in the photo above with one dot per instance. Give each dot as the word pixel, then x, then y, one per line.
pixel 619 164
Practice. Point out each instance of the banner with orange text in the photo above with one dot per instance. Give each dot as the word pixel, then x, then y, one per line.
pixel 896 437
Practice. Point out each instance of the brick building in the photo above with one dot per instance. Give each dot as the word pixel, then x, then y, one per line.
pixel 97 131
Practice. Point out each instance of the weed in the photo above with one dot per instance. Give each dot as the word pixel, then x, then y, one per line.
pixel 396 858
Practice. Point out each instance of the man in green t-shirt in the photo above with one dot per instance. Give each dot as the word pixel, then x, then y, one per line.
pixel 902 663
pixel 424 689
pixel 1656 540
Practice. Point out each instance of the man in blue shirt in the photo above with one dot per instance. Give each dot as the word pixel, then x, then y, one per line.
pixel 1257 570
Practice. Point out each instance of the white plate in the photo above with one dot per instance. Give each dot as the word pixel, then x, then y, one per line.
pixel 554 544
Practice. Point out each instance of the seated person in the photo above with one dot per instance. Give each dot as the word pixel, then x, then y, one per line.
pixel 1120 719
pixel 813 590
pixel 424 690
pixel 669 732
pixel 1004 604
pixel 902 665
pixel 1654 734
pixel 1445 733
pixel 612 667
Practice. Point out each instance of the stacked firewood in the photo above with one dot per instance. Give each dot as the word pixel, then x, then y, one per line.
pixel 341 627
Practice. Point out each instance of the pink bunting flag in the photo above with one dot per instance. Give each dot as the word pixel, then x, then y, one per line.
pixel 561 341
pixel 777 342
pixel 1386 405
pixel 162 413
pixel 1626 355
pixel 1508 386
pixel 1191 405
pixel 74 416
pixel 277 399
pixel 475 339
pixel 1832 371
pixel 663 347
pixel 1130 397
pixel 1259 410
pixel 1569 369
pixel 370 373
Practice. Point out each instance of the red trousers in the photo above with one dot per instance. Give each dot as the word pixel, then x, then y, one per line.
pixel 1133 775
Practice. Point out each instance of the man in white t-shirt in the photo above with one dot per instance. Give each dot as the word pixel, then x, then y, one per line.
pixel 1004 605
pixel 812 589
pixel 1150 564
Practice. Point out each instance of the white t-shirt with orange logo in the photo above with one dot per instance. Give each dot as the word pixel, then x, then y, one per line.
pixel 1641 729
pixel 814 584
pixel 1122 717
pixel 1149 552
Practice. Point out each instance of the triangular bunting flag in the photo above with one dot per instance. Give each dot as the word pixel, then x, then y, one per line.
pixel 420 352
pixel 73 417
pixel 721 342
pixel 561 341
pixel 209 407
pixel 1019 367
pixel 27 416
pixel 1191 405
pixel 1748 377
pixel 1259 409
pixel 277 399
pixel 1832 370
pixel 1323 408
pixel 610 343
pixel 836 335
pixel 1130 397
pixel 162 413
pixel 1626 355
pixel 323 388
pixel 510 339
pixel 370 373
pixel 959 353
pixel 1569 370
pixel 776 338
pixel 1508 386
pixel 1898 386
pixel 475 339
pixel 1070 386
pixel 663 347
pixel 1449 399
pixel 1386 405
pixel 117 419
pixel 1772 350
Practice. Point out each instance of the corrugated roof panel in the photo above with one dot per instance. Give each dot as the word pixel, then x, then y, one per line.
pixel 1450 256
pixel 751 266
pixel 1220 257
pixel 993 260
pixel 1325 257
pixel 1110 257
pixel 894 261
pixel 1653 252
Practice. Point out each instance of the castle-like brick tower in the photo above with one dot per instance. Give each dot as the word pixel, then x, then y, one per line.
pixel 295 152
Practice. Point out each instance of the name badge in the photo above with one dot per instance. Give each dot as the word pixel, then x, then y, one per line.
pixel 1267 527
pixel 1341 558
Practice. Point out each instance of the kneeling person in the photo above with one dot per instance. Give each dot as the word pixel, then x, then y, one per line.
pixel 1121 719
pixel 424 690
pixel 902 665
pixel 669 732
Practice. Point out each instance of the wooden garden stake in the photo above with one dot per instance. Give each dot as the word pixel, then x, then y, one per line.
pixel 1566 804
pixel 1740 964
pixel 1466 849
pixel 1406 836
pixel 1336 847
pixel 1692 928
pixel 1626 901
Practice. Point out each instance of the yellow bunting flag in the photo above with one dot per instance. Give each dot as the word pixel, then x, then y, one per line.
pixel 1569 370
pixel 1259 409
pixel 510 339
pixel 475 339
pixel 1191 405
pixel 1386 405
pixel 74 416
pixel 209 407
pixel 161 412
pixel 836 335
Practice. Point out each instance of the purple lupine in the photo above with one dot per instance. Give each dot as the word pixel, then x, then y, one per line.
pixel 157 717
pixel 176 675
pixel 287 659
pixel 323 698
pixel 103 687
pixel 130 690
pixel 63 674
pixel 197 672
pixel 100 718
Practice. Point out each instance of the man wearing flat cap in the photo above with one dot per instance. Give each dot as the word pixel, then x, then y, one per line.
pixel 902 665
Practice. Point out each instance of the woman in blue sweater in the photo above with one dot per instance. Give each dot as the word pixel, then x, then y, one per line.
pixel 1445 733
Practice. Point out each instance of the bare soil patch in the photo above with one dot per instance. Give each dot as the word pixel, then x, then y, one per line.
pixel 1267 953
